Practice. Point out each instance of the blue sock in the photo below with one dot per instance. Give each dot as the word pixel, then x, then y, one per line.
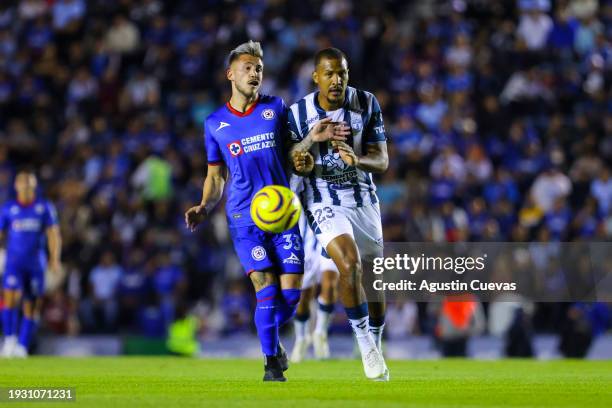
pixel 28 327
pixel 357 312
pixel 302 317
pixel 15 321
pixel 265 319
pixel 326 308
pixel 7 321
pixel 377 321
pixel 358 319
pixel 287 305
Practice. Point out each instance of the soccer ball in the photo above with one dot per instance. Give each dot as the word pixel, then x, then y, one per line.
pixel 275 209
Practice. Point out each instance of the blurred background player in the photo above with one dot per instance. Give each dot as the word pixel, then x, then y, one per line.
pixel 340 199
pixel 319 271
pixel 29 221
pixel 235 136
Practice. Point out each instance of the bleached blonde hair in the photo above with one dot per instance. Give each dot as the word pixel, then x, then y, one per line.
pixel 248 48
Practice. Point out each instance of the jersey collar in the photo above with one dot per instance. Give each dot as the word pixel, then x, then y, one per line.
pixel 25 205
pixel 320 109
pixel 246 112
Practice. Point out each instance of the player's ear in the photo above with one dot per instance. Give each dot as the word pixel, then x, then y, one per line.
pixel 229 74
pixel 315 77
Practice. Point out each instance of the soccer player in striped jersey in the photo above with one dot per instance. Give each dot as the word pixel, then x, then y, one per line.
pixel 339 195
pixel 246 139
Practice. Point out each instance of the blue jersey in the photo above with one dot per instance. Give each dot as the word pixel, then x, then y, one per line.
pixel 251 144
pixel 25 227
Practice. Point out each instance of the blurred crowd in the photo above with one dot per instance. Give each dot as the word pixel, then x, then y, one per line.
pixel 498 113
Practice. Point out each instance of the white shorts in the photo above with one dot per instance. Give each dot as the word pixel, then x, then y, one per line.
pixel 315 263
pixel 361 223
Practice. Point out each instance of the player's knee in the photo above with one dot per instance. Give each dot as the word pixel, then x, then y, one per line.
pixel 266 297
pixel 11 298
pixel 291 296
pixel 349 265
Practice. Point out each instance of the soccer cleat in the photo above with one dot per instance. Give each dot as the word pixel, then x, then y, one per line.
pixel 20 351
pixel 300 348
pixel 8 347
pixel 281 355
pixel 373 363
pixel 273 370
pixel 384 377
pixel 321 346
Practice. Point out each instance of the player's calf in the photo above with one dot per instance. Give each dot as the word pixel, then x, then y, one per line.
pixel 287 304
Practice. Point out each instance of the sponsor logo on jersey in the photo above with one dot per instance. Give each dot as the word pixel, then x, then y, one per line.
pixel 235 148
pixel 222 125
pixel 258 142
pixel 26 225
pixel 268 114
pixel 258 253
pixel 293 259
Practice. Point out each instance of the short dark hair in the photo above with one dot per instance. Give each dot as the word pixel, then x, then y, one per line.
pixel 27 169
pixel 329 53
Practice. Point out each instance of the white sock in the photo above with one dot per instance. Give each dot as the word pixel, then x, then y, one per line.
pixel 301 329
pixel 362 334
pixel 323 319
pixel 377 334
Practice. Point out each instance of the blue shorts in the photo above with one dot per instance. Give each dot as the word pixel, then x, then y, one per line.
pixel 258 250
pixel 30 279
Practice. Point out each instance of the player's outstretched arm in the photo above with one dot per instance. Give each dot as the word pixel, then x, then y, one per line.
pixel 211 195
pixel 54 242
pixel 376 159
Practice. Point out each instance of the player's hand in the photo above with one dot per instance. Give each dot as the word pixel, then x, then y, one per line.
pixel 347 154
pixel 55 267
pixel 194 216
pixel 303 162
pixel 325 130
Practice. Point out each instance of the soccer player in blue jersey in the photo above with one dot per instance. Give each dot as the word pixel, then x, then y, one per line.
pixel 339 197
pixel 247 138
pixel 27 223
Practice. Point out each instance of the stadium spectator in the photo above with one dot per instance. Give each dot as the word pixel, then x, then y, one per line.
pixel 100 310
pixel 549 186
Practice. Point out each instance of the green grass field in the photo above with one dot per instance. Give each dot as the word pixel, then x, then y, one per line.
pixel 175 382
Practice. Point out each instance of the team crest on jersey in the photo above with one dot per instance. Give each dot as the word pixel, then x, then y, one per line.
pixel 39 209
pixel 14 210
pixel 267 114
pixel 332 162
pixel 11 281
pixel 235 148
pixel 356 121
pixel 258 253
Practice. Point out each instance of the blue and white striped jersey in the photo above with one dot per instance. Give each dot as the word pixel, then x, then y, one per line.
pixel 332 181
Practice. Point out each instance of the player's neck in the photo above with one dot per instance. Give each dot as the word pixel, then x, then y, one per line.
pixel 243 103
pixel 25 200
pixel 326 105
